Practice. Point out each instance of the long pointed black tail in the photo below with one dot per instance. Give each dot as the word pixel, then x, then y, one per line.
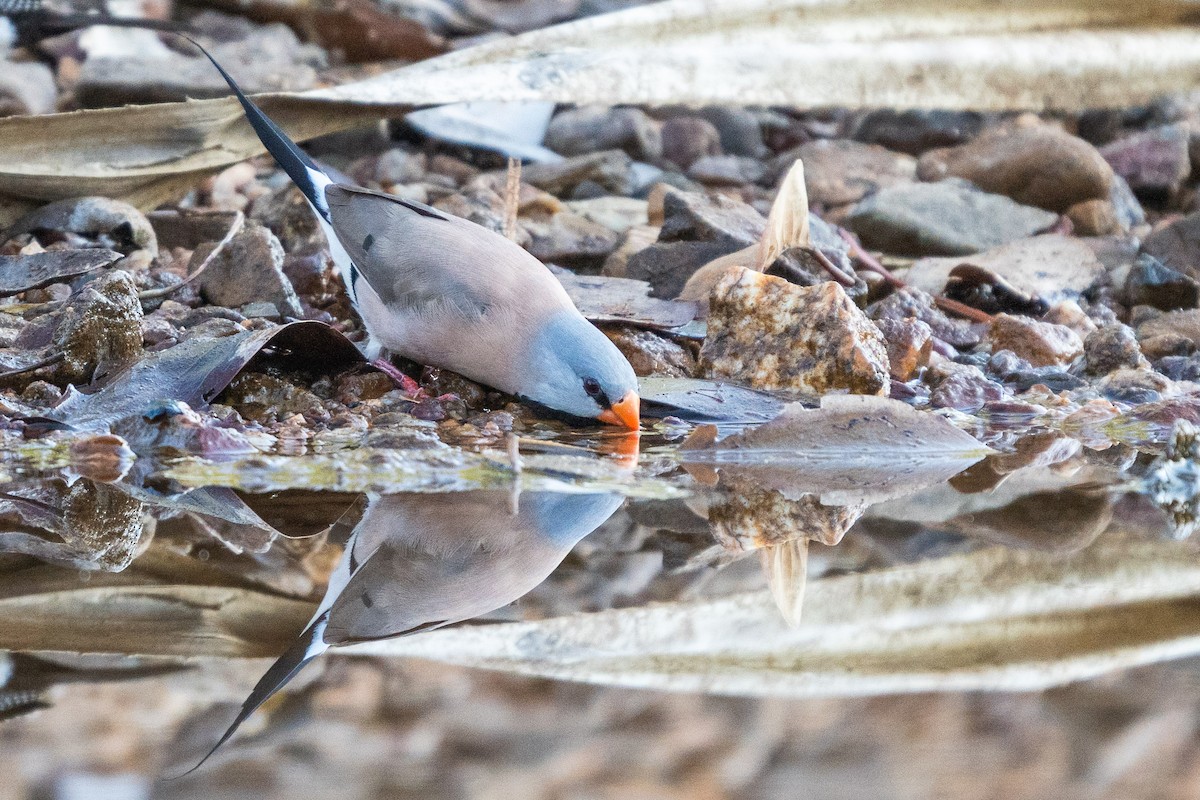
pixel 295 162
pixel 286 667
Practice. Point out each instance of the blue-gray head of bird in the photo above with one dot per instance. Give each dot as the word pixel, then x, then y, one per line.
pixel 574 368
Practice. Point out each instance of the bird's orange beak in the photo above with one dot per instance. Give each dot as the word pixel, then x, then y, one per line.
pixel 625 412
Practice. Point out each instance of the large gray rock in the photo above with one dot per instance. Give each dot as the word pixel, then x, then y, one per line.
pixel 579 131
pixel 1177 245
pixel 271 59
pixel 838 172
pixel 247 270
pixel 99 330
pixel 696 229
pixel 26 88
pixel 610 169
pixel 771 334
pixel 914 132
pixel 1154 161
pixel 667 266
pixel 1039 165
pixel 686 139
pixel 691 216
pixel 950 218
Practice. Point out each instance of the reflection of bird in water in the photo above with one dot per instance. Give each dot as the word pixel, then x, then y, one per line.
pixel 416 562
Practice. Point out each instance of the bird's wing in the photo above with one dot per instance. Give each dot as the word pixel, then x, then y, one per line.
pixel 415 256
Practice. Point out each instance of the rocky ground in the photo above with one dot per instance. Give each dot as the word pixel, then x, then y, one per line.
pixel 1008 268
pixel 1028 263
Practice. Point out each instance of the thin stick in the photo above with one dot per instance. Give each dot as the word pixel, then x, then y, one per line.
pixel 962 309
pixel 45 362
pixel 512 198
pixel 869 262
pixel 831 268
pixel 238 221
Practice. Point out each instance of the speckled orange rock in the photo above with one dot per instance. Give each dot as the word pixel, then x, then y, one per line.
pixel 772 334
pixel 909 345
pixel 1042 344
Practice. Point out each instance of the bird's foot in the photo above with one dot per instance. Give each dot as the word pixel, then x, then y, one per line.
pixel 402 381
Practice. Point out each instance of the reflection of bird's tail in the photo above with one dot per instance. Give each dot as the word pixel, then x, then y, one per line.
pixel 307 646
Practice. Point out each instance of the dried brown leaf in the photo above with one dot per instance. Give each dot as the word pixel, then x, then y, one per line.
pixel 1073 54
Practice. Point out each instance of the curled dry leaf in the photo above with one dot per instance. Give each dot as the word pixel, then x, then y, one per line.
pixel 197 370
pixel 787 224
pixel 994 619
pixel 699 400
pixel 1074 54
pixel 22 273
pixel 1051 266
pixel 787 227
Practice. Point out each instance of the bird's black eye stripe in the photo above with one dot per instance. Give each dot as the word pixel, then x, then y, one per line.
pixel 368 243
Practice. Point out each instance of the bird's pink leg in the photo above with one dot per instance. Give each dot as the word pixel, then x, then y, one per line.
pixel 402 381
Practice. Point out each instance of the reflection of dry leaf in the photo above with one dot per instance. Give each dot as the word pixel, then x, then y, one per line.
pixel 47 610
pixel 853 449
pixel 786 567
pixel 992 619
pixel 1073 54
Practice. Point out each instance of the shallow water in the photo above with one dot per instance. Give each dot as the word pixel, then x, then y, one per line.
pixel 761 592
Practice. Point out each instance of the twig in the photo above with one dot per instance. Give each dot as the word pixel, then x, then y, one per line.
pixel 45 362
pixel 33 308
pixel 869 262
pixel 963 310
pixel 234 229
pixel 831 268
pixel 512 198
pixel 512 444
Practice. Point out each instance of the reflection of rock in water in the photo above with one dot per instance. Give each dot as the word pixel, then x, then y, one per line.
pixel 1173 483
pixel 86 525
pixel 103 522
pixel 750 518
pixel 747 517
pixel 1062 521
